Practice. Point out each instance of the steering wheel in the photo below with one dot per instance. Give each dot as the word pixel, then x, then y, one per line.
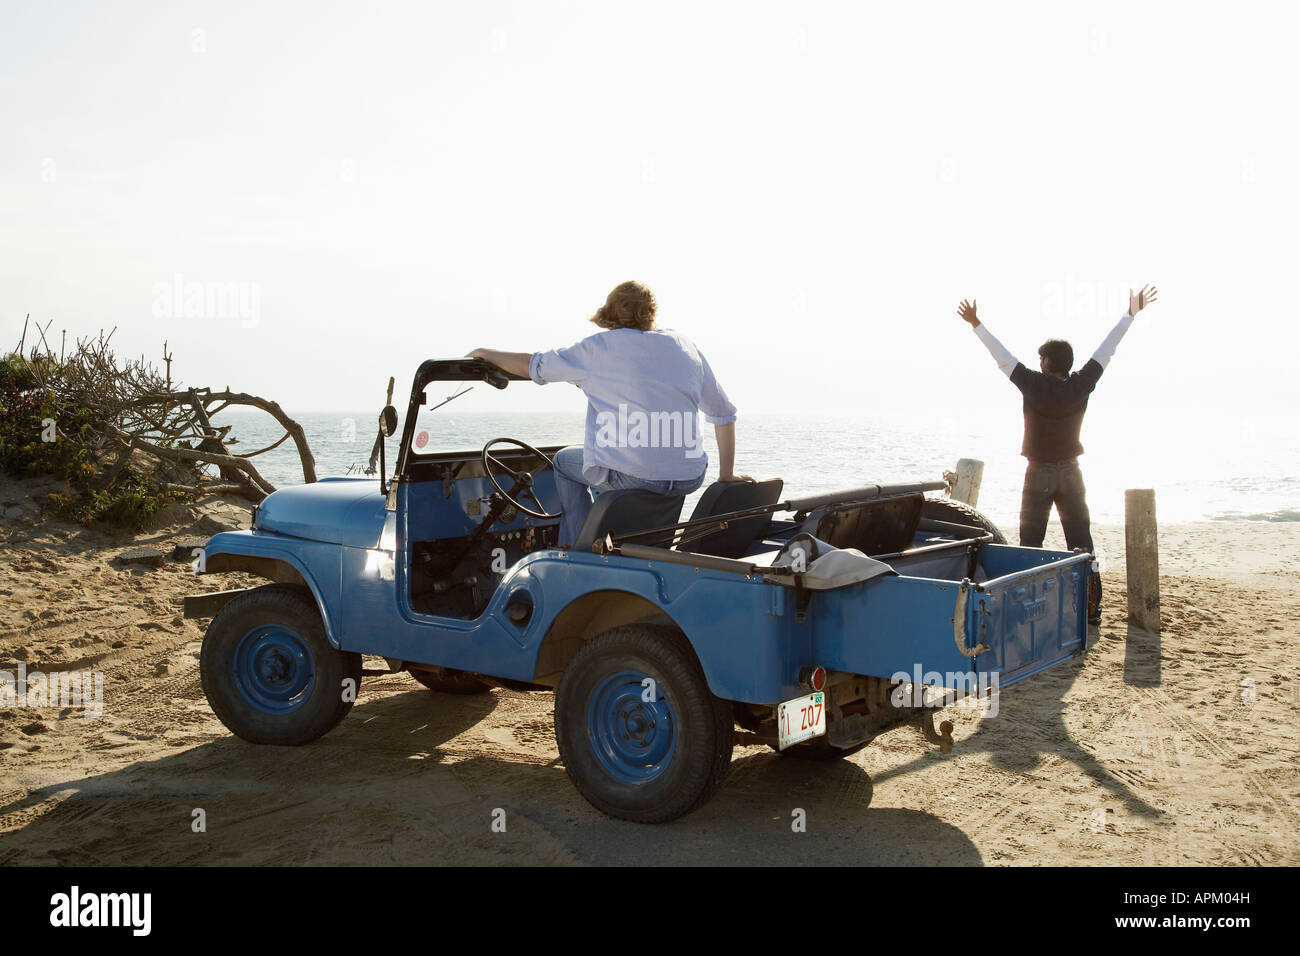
pixel 523 479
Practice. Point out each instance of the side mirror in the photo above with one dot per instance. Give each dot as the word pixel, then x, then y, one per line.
pixel 388 421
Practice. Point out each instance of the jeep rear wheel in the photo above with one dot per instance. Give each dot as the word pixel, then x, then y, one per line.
pixel 641 736
pixel 270 673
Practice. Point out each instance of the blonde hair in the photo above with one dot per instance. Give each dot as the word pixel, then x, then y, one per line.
pixel 630 306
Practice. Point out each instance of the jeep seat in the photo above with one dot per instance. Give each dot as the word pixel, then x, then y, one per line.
pixel 627 510
pixel 725 497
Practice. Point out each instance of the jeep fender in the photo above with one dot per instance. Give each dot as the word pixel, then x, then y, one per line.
pixel 306 564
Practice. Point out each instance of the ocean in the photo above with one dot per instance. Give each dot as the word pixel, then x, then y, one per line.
pixel 1201 470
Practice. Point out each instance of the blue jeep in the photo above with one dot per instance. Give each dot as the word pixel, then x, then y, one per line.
pixel 665 640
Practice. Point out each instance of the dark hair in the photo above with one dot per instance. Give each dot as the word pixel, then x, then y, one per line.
pixel 1059 355
pixel 630 306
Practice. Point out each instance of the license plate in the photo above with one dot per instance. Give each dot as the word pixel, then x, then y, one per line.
pixel 800 719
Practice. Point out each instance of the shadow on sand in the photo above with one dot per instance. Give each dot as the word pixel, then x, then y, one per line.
pixel 393 785
pixel 1030 726
pixel 1141 657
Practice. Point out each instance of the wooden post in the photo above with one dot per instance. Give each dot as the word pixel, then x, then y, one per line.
pixel 1143 558
pixel 970 472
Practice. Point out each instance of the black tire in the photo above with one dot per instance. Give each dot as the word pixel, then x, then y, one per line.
pixel 700 746
pixel 448 680
pixel 958 512
pixel 240 678
pixel 818 748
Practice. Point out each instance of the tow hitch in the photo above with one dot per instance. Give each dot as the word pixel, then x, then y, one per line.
pixel 942 736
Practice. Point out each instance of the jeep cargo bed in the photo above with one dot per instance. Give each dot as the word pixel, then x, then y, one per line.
pixel 976 609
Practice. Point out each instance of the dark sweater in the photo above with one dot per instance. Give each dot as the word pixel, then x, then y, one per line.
pixel 1054 410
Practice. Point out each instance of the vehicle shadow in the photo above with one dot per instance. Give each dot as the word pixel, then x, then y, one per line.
pixel 771 810
pixel 1029 727
pixel 412 779
pixel 143 813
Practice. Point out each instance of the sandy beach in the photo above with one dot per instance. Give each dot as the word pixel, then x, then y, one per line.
pixel 1169 749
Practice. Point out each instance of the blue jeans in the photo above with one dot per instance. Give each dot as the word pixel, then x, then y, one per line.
pixel 1057 483
pixel 576 495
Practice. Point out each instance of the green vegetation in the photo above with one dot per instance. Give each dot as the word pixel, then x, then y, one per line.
pixel 42 436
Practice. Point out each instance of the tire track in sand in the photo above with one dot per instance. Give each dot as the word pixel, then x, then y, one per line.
pixel 1260 786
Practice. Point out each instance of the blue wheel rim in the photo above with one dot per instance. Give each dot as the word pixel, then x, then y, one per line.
pixel 632 739
pixel 273 670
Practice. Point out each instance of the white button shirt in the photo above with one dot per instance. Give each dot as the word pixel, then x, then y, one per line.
pixel 644 391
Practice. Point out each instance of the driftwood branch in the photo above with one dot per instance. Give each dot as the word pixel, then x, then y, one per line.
pixel 215 488
pixel 191 454
pixel 276 444
pixel 143 414
pixel 203 396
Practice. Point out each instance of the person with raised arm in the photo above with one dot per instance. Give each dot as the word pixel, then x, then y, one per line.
pixel 1055 400
pixel 645 388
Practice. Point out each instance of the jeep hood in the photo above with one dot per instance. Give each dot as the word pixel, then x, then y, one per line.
pixel 346 511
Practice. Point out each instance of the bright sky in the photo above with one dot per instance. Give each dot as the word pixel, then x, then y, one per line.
pixel 809 189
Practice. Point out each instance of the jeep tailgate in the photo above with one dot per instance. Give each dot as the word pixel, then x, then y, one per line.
pixel 1029 619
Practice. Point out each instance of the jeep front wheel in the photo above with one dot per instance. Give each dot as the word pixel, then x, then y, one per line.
pixel 270 673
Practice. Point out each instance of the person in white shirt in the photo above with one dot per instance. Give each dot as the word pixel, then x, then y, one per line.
pixel 645 388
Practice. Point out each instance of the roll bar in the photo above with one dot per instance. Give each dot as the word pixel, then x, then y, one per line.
pixel 444 370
